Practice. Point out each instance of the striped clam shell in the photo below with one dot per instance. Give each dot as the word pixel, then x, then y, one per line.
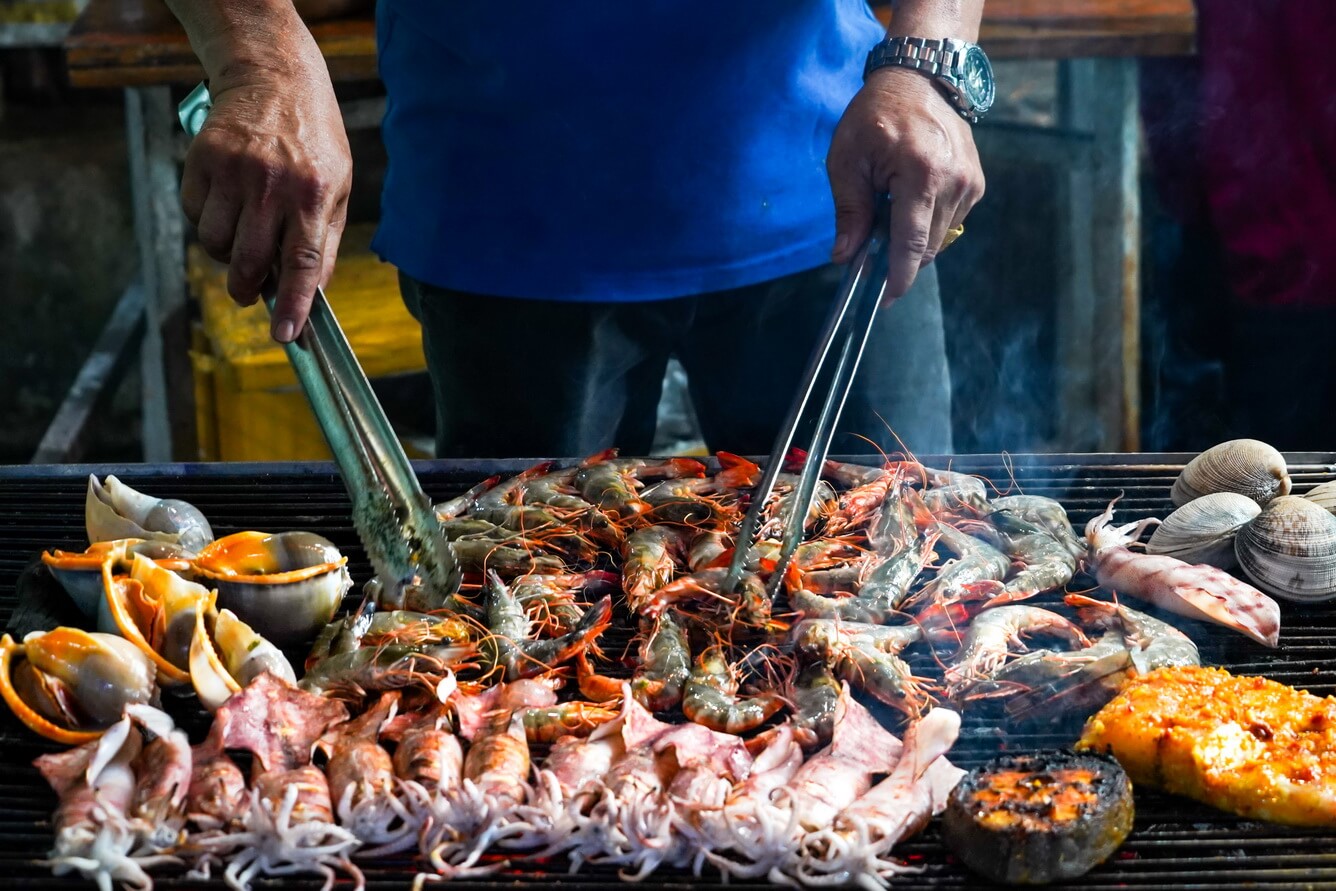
pixel 1324 495
pixel 1246 466
pixel 1289 550
pixel 1202 531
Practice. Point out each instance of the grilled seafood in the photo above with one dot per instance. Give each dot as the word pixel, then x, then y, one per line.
pixel 993 634
pixel 1198 592
pixel 69 685
pixel 286 585
pixel 114 511
pixel 81 574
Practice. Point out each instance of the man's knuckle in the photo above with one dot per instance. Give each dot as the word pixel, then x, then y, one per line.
pixel 303 257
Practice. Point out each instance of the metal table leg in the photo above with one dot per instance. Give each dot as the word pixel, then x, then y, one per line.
pixel 168 419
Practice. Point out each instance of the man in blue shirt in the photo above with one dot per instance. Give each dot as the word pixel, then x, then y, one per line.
pixel 578 191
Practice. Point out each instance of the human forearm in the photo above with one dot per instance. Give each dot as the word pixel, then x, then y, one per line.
pixel 267 178
pixel 936 19
pixel 231 37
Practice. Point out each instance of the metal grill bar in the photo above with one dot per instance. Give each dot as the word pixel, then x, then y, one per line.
pixel 1177 844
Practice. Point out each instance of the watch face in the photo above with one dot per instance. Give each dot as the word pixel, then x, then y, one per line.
pixel 976 80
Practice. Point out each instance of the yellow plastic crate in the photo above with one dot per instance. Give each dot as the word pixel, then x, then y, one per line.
pixel 248 404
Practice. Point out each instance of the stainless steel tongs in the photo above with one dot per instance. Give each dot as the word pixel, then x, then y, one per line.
pixel 392 515
pixel 830 373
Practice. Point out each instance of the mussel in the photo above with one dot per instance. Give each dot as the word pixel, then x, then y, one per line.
pixel 113 510
pixel 70 685
pixel 1245 466
pixel 1289 549
pixel 226 655
pixel 285 585
pixel 80 574
pixel 1202 531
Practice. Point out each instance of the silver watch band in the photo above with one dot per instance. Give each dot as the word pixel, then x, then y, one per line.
pixel 925 54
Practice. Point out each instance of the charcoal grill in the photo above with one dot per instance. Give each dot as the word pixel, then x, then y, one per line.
pixel 1176 844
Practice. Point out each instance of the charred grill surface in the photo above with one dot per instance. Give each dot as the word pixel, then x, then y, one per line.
pixel 1175 843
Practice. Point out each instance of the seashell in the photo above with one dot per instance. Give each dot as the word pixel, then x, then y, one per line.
pixel 1245 466
pixel 226 654
pixel 70 685
pixel 1323 495
pixel 113 510
pixel 285 585
pixel 1202 531
pixel 80 574
pixel 1289 549
pixel 155 610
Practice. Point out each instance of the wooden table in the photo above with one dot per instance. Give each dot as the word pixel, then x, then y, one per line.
pixel 136 45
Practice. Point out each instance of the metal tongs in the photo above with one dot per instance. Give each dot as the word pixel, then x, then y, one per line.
pixel 830 374
pixel 414 564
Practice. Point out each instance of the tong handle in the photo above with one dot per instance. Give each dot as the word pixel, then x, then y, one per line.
pixel 846 332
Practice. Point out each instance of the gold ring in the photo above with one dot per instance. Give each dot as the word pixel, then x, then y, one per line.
pixel 951 236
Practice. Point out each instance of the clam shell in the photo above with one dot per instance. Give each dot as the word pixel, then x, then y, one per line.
pixel 1246 466
pixel 1202 531
pixel 1324 495
pixel 1289 550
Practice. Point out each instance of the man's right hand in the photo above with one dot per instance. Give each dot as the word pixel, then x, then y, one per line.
pixel 267 179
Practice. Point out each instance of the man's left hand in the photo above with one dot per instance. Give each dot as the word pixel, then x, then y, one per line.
pixel 901 136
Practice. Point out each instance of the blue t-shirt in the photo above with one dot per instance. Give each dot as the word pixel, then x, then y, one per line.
pixel 615 151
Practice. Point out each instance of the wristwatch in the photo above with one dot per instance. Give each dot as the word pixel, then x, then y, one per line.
pixel 959 68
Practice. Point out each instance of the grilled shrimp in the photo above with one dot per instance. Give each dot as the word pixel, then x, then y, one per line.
pixel 708 548
pixel 649 560
pixel 611 483
pixel 976 562
pixel 1198 592
pixel 508 647
pixel 1047 562
pixel 711 697
pixel 867 656
pixel 509 491
pixel 1045 513
pixel 815 694
pixel 568 719
pixel 994 632
pixel 885 583
pixel 664 665
pixel 952 495
pixel 749 604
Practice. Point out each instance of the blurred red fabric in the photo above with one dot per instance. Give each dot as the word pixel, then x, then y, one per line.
pixel 1243 138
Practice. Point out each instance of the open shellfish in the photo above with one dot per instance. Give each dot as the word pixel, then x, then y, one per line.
pixel 286 585
pixel 80 574
pixel 1246 466
pixel 113 510
pixel 155 610
pixel 226 655
pixel 1202 531
pixel 70 685
pixel 1289 549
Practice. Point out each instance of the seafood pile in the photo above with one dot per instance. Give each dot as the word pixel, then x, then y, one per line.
pixel 589 690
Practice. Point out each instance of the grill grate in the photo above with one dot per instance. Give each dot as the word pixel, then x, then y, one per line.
pixel 1176 843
